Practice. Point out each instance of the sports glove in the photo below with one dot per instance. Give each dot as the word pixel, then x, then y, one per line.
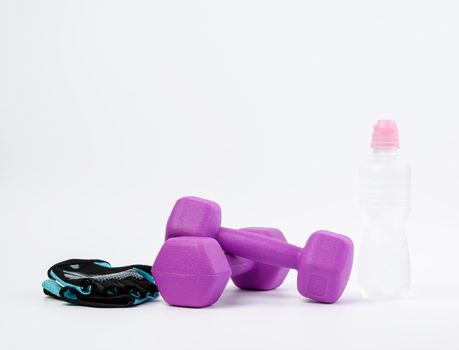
pixel 96 283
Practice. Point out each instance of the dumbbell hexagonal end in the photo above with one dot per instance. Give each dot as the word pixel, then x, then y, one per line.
pixel 324 266
pixel 191 271
pixel 193 216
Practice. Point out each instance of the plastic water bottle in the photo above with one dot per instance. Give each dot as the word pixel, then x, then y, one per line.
pixel 384 265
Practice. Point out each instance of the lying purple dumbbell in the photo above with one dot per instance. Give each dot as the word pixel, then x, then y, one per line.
pixel 260 276
pixel 194 270
pixel 324 265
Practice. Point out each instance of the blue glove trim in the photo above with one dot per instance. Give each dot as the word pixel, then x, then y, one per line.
pixel 103 264
pixel 140 301
pixel 52 287
pixel 65 284
pixel 68 294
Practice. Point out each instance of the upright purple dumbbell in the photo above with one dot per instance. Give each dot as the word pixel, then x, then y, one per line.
pixel 324 265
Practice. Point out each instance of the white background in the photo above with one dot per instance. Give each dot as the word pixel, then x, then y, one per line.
pixel 110 111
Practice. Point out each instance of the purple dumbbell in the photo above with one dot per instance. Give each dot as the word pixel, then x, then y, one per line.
pixel 259 276
pixel 199 266
pixel 194 271
pixel 192 261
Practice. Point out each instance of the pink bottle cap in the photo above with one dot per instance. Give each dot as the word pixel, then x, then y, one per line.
pixel 385 135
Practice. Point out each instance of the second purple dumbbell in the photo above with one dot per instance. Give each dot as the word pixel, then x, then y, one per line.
pixel 191 253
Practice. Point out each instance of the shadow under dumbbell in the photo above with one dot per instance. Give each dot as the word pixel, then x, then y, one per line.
pixel 234 297
pixel 342 301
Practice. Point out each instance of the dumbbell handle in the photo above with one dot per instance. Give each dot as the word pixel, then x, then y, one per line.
pixel 239 265
pixel 256 247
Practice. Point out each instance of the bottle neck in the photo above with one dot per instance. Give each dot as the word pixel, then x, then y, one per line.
pixel 385 151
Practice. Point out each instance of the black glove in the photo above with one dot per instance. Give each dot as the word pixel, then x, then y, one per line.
pixel 96 283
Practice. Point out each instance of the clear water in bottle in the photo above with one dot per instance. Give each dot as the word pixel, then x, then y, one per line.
pixel 384 264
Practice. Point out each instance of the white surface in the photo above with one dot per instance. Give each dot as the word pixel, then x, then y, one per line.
pixel 109 111
pixel 241 320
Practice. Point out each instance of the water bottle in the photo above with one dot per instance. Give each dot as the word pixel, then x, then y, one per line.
pixel 384 264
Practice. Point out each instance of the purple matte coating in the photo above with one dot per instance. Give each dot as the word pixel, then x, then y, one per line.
pixel 262 276
pixel 239 266
pixel 193 216
pixel 191 271
pixel 266 250
pixel 324 264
